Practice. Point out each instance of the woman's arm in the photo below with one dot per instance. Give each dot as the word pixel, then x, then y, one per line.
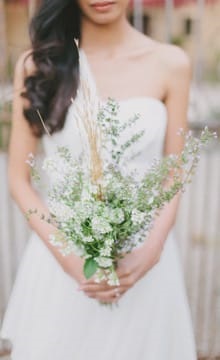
pixel 134 265
pixel 22 143
pixel 178 70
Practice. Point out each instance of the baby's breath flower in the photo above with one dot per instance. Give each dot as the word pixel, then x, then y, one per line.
pixel 113 279
pixel 100 225
pixel 115 216
pixel 54 241
pixel 106 251
pixel 87 239
pixel 137 217
pixel 100 276
pixel 104 262
pixel 75 248
pixel 61 211
pixel 31 160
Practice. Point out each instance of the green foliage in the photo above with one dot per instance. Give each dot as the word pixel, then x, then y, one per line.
pixel 5 125
pixel 102 228
pixel 90 268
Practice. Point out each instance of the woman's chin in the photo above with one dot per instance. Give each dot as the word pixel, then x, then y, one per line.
pixel 105 12
pixel 104 19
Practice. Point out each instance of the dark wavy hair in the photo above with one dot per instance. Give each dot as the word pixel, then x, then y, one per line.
pixel 55 55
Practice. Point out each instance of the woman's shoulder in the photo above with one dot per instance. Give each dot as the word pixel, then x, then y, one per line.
pixel 172 60
pixel 174 64
pixel 173 57
pixel 168 56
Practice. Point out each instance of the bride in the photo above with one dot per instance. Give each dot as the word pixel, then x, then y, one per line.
pixel 54 312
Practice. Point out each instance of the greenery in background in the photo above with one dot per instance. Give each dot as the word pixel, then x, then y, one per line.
pixel 5 104
pixel 10 69
pixel 212 74
pixel 178 40
pixel 5 124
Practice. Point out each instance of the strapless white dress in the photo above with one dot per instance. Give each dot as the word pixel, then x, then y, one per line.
pixel 48 319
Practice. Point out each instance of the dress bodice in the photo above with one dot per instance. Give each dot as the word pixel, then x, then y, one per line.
pixel 152 119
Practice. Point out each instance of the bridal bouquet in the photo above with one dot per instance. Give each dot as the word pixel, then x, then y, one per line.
pixel 102 211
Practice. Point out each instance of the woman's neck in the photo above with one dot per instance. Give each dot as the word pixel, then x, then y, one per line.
pixel 106 39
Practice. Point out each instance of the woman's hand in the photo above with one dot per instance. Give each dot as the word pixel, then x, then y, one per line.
pixel 135 265
pixel 73 266
pixel 130 269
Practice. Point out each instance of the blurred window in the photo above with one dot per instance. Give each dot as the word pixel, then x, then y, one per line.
pixel 146 22
pixel 188 23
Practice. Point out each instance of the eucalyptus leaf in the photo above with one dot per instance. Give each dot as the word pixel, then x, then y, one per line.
pixel 90 267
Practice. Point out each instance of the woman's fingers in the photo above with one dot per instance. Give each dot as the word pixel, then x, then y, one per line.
pixel 112 295
pixel 126 281
pixel 96 287
pixel 106 293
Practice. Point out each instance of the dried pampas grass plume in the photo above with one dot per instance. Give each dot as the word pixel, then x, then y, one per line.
pixel 86 107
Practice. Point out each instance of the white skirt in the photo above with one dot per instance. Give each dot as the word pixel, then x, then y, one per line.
pixel 48 319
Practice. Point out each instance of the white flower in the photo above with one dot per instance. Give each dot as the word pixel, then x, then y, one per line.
pixel 61 211
pixel 113 278
pixel 87 239
pixel 100 225
pixel 115 216
pixel 85 195
pixel 49 164
pixel 104 262
pixel 77 249
pixel 68 249
pixel 109 275
pixel 54 241
pixel 100 276
pixel 137 216
pixel 31 160
pixel 83 210
pixel 151 200
pixel 76 227
pixel 106 251
pixel 109 242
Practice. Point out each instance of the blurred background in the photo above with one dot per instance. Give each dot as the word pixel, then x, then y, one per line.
pixel 193 25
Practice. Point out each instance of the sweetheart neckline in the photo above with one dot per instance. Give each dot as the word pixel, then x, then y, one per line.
pixel 120 101
pixel 132 98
